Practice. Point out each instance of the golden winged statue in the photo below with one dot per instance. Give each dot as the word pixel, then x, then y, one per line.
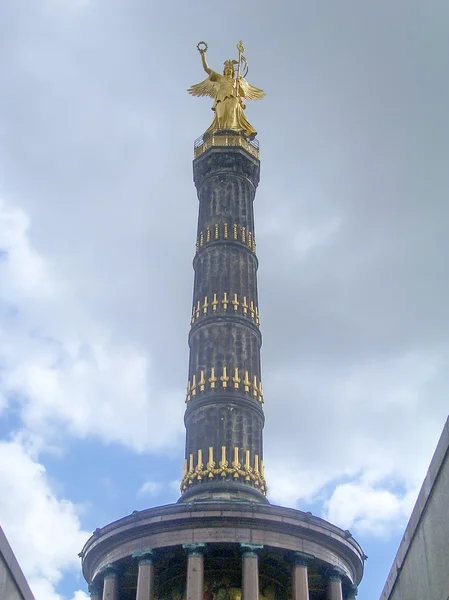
pixel 229 92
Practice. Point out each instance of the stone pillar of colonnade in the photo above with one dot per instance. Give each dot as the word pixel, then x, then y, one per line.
pixel 334 588
pixel 250 571
pixel 300 580
pixel 110 583
pixel 195 570
pixel 145 575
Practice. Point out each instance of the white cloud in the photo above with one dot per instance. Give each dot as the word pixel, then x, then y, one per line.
pixel 44 590
pixel 150 488
pixel 61 364
pixel 357 425
pixel 368 509
pixel 351 219
pixel 23 270
pixel 43 530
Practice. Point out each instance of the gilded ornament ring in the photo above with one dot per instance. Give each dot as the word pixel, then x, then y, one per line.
pixel 202 46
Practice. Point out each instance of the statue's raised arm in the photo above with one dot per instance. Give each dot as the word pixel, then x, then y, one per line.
pixel 202 50
pixel 228 91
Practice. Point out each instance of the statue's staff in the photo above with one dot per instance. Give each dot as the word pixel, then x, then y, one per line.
pixel 241 50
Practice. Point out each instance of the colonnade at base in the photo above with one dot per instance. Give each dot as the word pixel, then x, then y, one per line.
pixel 196 553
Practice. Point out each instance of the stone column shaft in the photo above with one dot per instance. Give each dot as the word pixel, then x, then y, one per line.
pixel 145 580
pixel 195 571
pixel 110 587
pixel 334 590
pixel 250 575
pixel 300 582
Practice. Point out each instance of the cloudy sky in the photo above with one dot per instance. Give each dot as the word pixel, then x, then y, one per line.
pixel 97 232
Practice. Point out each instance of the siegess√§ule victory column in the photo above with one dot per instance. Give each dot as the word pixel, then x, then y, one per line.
pixel 222 540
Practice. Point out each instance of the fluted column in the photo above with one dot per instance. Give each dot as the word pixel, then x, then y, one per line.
pixel 110 585
pixel 195 571
pixel 334 589
pixel 95 590
pixel 300 579
pixel 145 576
pixel 224 398
pixel 250 571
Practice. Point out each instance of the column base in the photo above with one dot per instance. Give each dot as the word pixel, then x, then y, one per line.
pixel 223 491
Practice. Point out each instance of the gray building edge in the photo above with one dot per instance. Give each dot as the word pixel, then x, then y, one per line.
pixel 421 566
pixel 13 584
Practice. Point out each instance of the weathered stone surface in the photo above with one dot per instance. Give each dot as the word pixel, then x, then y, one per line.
pixel 225 263
pixel 273 527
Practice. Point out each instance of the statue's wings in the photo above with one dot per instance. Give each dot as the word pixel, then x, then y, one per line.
pixel 249 91
pixel 205 88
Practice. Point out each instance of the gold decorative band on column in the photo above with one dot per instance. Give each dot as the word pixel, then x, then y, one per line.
pixel 225 379
pixel 225 303
pixel 205 142
pixel 224 231
pixel 248 471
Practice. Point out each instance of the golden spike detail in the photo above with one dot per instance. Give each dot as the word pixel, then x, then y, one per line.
pixel 257 316
pixel 214 303
pixel 255 387
pixel 205 305
pixel 247 466
pixel 208 234
pixel 235 231
pixel 201 238
pixel 188 391
pixel 246 382
pixel 260 398
pixel 250 240
pixel 225 234
pixel 211 463
pixel 193 389
pixel 235 462
pixel 224 378
pixel 216 232
pixel 251 309
pixel 236 379
pixel 244 306
pixel 243 235
pixel 235 302
pixel 212 378
pixel 197 246
pixel 225 301
pixel 202 381
pixel 197 311
pixel 257 480
pixel 184 468
pixel 192 319
pixel 200 460
pixel 254 245
pixel 223 464
pixel 191 462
